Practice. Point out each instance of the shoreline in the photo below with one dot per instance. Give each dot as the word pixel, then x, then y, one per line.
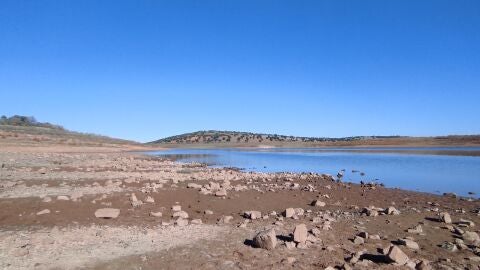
pixel 91 181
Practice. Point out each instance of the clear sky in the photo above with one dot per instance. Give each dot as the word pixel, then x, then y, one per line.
pixel 148 69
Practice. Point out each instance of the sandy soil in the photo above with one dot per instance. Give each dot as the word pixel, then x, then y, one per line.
pixel 73 185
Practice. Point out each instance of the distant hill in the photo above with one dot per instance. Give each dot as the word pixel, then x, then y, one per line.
pixel 26 130
pixel 234 137
pixel 215 138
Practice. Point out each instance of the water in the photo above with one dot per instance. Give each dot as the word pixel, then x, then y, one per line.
pixel 420 172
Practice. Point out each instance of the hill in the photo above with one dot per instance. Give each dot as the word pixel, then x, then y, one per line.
pixel 27 131
pixel 214 138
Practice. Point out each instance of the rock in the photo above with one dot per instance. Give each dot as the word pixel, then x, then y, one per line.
pixel 289 212
pixel 300 233
pixel 176 208
pixel 180 214
pixel 289 260
pixel 193 185
pixel 358 240
pixel 470 236
pixel 265 239
pixel 221 193
pixel 149 200
pixel 445 218
pixel 416 230
pixel 134 201
pixel 290 245
pixel 449 246
pixel 196 221
pixel 252 215
pixel 63 198
pixel 423 265
pixel 107 213
pixel 47 199
pixel 409 244
pixel 396 255
pixel 208 212
pixel 43 212
pixel 318 203
pixel 392 211
pixel 466 223
pixel 156 214
pixel 299 212
pixel 181 222
pixel 225 219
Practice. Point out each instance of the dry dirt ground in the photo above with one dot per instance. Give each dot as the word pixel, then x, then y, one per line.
pixel 48 201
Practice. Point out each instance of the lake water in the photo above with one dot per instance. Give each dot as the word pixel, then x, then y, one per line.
pixel 420 172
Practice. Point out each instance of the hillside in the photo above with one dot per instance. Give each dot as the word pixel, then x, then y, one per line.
pixel 25 131
pixel 213 138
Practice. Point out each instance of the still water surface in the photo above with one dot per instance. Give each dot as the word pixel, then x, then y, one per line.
pixel 421 172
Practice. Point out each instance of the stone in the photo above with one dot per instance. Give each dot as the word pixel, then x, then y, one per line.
pixel 193 185
pixel 289 212
pixel 63 198
pixel 290 245
pixel 409 244
pixel 208 212
pixel 225 219
pixel 43 212
pixel 470 236
pixel 156 214
pixel 107 213
pixel 289 260
pixel 445 218
pixel 416 230
pixel 318 203
pixel 149 200
pixel 176 208
pixel 266 239
pixel 392 211
pixel 466 223
pixel 449 246
pixel 47 199
pixel 221 193
pixel 134 201
pixel 396 255
pixel 358 240
pixel 180 214
pixel 423 265
pixel 196 221
pixel 300 233
pixel 252 214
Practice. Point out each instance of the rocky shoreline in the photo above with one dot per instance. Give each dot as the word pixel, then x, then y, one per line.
pixel 128 210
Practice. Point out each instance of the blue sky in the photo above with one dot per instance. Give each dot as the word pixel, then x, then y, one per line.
pixel 148 69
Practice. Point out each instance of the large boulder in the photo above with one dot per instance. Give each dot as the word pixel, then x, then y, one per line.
pixel 265 239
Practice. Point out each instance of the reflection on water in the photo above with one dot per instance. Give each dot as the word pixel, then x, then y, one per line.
pixel 429 173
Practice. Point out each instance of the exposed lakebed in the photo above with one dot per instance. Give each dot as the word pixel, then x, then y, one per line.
pixel 434 169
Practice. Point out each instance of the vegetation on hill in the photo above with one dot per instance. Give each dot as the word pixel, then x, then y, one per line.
pixel 26 121
pixel 234 137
